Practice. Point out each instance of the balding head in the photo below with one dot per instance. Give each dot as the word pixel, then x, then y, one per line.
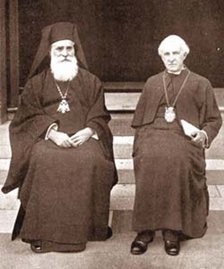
pixel 173 40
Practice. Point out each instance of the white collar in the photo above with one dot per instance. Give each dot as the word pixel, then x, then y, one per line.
pixel 177 72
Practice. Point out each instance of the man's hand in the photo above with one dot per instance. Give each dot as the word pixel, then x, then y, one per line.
pixel 59 138
pixel 199 137
pixel 81 136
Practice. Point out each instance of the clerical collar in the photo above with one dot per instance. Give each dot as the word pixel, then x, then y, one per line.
pixel 178 72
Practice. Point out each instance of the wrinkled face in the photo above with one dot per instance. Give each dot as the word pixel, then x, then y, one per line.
pixel 63 64
pixel 173 57
pixel 63 50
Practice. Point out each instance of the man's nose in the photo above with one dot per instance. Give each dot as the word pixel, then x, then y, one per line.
pixel 64 52
pixel 171 58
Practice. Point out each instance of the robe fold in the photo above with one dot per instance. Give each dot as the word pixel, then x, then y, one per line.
pixel 171 189
pixel 64 192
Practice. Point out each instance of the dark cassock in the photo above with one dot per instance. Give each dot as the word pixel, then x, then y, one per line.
pixel 171 189
pixel 64 192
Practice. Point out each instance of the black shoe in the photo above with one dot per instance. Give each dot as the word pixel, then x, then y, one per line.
pixel 139 246
pixel 109 232
pixel 36 246
pixel 172 247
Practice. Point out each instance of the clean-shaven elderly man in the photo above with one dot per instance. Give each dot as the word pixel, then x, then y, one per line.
pixel 176 118
pixel 62 158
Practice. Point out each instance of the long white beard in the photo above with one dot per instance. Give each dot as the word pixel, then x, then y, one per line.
pixel 64 70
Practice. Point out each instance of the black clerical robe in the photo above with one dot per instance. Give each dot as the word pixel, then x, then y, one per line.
pixel 171 189
pixel 64 192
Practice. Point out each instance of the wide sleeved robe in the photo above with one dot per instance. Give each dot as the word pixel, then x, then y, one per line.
pixel 171 190
pixel 64 192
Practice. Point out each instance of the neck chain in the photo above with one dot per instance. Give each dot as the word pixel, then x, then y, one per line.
pixel 63 106
pixel 170 114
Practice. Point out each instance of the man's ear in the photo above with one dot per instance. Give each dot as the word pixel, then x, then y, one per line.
pixel 185 55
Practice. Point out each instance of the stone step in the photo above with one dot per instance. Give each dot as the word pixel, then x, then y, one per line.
pixel 123 146
pixel 127 176
pixel 127 164
pixel 137 86
pixel 214 170
pixel 122 223
pixel 9 201
pixel 123 151
pixel 4 133
pixel 213 177
pixel 122 198
pixel 120 86
pixel 121 207
pixel 120 124
pixel 119 100
pixel 3 175
pixel 126 98
pixel 130 86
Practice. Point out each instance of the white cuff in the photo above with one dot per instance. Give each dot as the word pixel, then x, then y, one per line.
pixel 52 126
pixel 95 136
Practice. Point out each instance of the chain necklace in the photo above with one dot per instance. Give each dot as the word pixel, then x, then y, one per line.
pixel 170 114
pixel 63 106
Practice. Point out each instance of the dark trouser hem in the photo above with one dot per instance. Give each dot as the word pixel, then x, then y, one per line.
pixel 48 246
pixel 145 236
pixel 169 235
pixel 183 235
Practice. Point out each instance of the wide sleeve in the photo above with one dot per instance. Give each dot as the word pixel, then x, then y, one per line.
pixel 31 117
pixel 29 124
pixel 212 119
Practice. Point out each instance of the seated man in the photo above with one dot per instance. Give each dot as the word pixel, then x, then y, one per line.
pixel 62 157
pixel 169 166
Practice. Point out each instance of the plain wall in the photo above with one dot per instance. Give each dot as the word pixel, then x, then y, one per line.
pixel 121 37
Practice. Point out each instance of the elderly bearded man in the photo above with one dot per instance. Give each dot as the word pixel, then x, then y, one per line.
pixel 169 164
pixel 62 158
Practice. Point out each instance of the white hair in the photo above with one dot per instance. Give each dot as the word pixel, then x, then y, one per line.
pixel 62 42
pixel 172 39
